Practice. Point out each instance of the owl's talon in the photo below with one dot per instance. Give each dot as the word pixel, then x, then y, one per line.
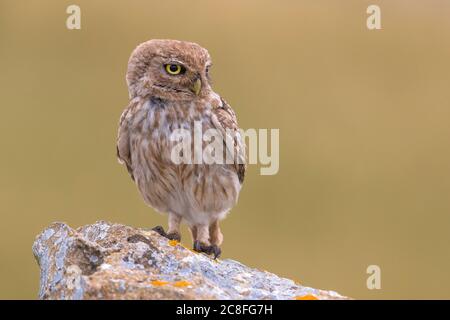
pixel 216 251
pixel 160 230
pixel 174 236
pixel 209 250
pixel 197 246
pixel 170 236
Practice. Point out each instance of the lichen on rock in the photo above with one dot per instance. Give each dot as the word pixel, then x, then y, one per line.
pixel 112 261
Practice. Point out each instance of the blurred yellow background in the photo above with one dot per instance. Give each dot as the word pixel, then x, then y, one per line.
pixel 364 132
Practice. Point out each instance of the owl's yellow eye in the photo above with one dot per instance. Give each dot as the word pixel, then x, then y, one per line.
pixel 174 69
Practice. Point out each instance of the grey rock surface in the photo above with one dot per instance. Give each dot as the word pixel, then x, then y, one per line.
pixel 113 261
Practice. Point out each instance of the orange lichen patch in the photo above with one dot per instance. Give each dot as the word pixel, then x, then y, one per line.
pixel 306 297
pixel 182 284
pixel 173 243
pixel 159 283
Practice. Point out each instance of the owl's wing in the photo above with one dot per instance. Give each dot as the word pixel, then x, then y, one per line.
pixel 227 121
pixel 123 139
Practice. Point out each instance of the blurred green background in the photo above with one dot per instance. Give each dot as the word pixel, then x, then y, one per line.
pixel 364 132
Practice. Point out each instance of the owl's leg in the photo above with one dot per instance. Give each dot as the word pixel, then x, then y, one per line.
pixel 202 234
pixel 174 228
pixel 193 230
pixel 215 235
pixel 202 244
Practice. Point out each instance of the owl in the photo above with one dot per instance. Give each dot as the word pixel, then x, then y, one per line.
pixel 169 87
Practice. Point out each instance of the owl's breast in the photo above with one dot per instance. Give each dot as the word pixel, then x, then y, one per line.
pixel 161 124
pixel 185 188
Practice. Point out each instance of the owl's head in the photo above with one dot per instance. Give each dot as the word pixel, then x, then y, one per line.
pixel 169 69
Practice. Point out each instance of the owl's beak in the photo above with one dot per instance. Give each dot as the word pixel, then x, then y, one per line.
pixel 197 86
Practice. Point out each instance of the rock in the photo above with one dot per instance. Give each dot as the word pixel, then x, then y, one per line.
pixel 113 261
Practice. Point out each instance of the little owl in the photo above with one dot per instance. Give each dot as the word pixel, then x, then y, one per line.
pixel 170 88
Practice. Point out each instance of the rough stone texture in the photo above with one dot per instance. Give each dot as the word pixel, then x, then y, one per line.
pixel 113 261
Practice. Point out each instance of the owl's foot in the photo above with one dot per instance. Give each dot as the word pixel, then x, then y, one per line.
pixel 208 249
pixel 171 236
pixel 174 236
